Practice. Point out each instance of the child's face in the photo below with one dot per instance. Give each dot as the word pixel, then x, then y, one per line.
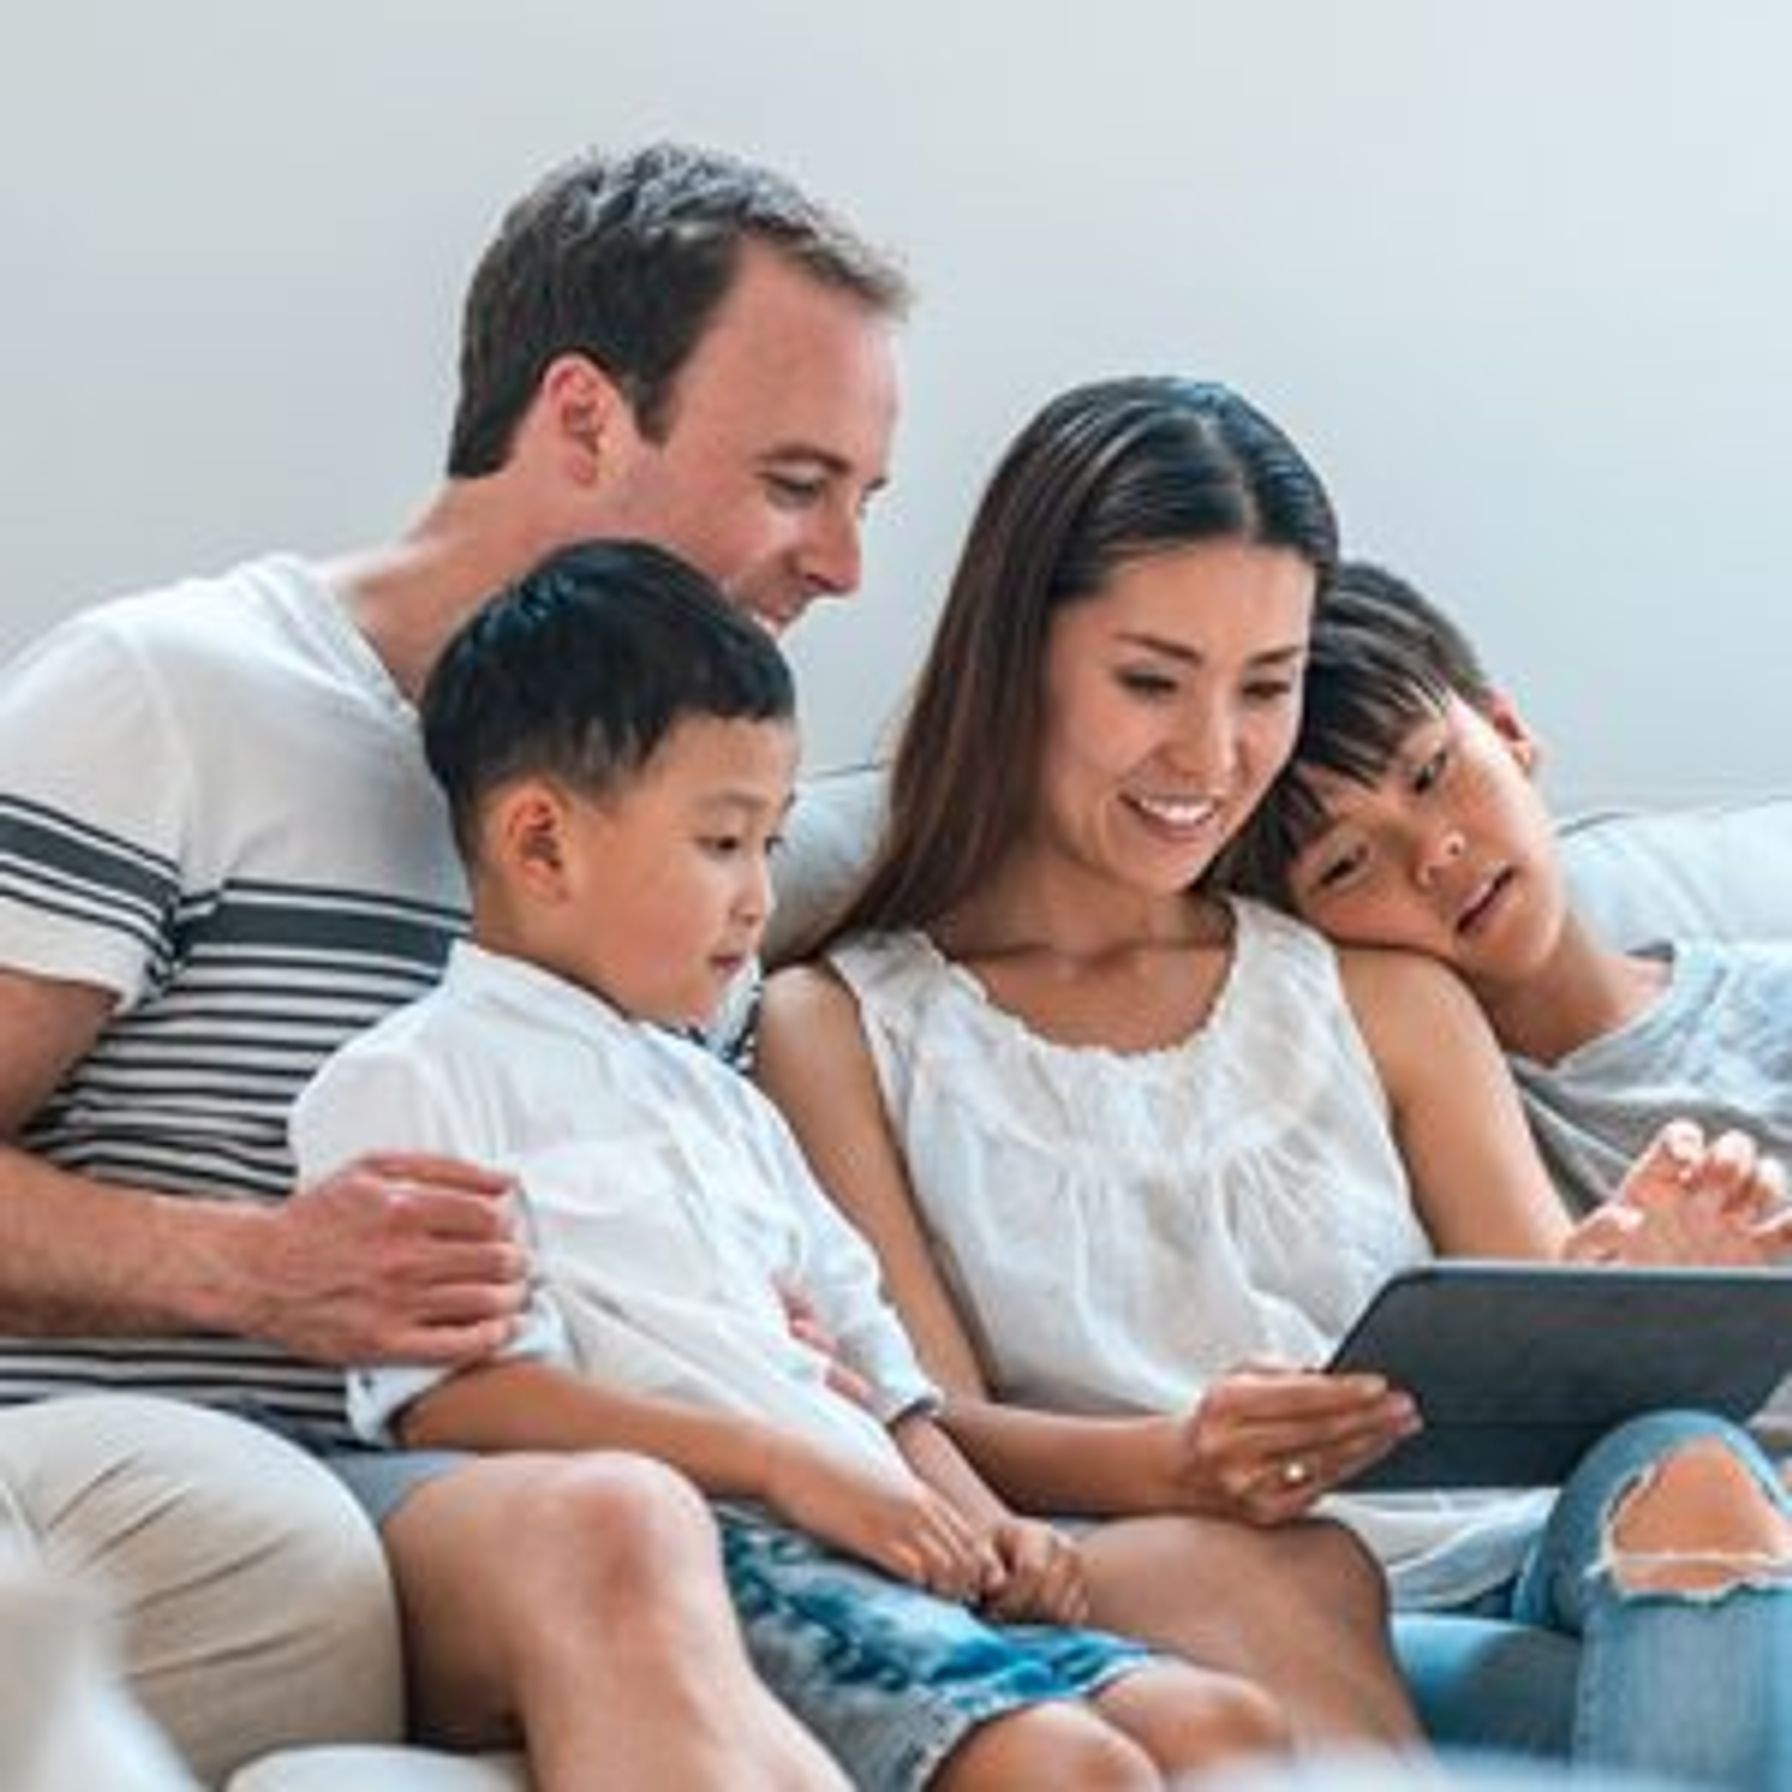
pixel 1450 853
pixel 664 887
pixel 1172 697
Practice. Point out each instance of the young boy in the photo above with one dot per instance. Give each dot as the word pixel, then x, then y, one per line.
pixel 617 750
pixel 1409 817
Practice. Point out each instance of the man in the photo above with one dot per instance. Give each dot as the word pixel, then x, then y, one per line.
pixel 221 855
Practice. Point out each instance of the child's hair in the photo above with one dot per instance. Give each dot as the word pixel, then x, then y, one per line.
pixel 581 669
pixel 1382 660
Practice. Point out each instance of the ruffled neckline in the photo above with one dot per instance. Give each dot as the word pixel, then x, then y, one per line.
pixel 1015 1029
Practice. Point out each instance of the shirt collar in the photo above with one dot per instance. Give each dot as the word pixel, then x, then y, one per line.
pixel 543 996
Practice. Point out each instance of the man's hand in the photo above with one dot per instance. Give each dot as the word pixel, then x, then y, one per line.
pixel 885 1516
pixel 1688 1201
pixel 394 1258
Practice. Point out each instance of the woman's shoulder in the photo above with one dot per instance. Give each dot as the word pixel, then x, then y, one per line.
pixel 882 968
pixel 1280 961
pixel 810 993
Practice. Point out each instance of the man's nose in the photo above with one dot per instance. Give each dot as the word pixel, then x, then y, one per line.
pixel 832 559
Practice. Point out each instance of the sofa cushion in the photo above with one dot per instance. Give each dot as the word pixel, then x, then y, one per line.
pixel 1719 872
pixel 380 1770
pixel 826 843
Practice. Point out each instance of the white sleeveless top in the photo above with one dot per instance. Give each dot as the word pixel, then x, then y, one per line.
pixel 1119 1228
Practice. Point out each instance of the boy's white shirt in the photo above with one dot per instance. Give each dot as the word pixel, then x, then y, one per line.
pixel 667 1203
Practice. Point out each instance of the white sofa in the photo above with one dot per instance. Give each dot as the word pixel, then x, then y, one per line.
pixel 1723 871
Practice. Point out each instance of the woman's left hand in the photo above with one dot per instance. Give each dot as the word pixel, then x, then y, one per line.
pixel 1689 1201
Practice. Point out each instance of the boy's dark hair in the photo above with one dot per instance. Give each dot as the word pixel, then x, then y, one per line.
pixel 581 669
pixel 626 259
pixel 1381 661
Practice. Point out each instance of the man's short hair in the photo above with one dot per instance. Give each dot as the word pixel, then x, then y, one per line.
pixel 626 259
pixel 1382 660
pixel 581 669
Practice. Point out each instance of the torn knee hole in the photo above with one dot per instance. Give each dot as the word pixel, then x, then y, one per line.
pixel 1698 1522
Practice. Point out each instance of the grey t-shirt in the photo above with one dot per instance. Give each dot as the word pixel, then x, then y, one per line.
pixel 1715 1046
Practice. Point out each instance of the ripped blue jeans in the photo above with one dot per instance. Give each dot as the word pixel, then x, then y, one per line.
pixel 1693 1685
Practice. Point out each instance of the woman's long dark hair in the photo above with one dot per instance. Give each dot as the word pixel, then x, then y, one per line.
pixel 1106 474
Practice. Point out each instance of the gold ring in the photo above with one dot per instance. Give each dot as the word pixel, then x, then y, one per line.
pixel 1296 1473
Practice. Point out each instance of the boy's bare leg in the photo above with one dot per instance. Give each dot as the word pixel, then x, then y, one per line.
pixel 579 1600
pixel 1048 1745
pixel 1189 1719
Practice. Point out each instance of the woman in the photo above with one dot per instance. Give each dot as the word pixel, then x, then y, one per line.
pixel 1113 1136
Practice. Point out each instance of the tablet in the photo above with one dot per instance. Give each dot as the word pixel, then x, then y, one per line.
pixel 1518 1367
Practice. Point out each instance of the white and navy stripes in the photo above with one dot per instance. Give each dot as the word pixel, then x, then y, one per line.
pixel 189 1093
pixel 212 803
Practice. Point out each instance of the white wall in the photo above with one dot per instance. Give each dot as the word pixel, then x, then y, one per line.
pixel 1519 276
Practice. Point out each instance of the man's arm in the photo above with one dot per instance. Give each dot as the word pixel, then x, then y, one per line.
pixel 391 1258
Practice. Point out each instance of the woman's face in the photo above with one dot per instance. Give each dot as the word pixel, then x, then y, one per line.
pixel 1172 698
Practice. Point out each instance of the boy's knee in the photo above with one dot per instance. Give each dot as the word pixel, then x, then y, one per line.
pixel 1230 1717
pixel 626 1522
pixel 1187 1718
pixel 1699 1522
pixel 1048 1745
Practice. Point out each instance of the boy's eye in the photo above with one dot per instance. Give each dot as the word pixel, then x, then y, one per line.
pixel 721 846
pixel 1334 873
pixel 1430 770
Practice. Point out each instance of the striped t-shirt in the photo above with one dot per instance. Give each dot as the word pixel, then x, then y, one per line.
pixel 213 802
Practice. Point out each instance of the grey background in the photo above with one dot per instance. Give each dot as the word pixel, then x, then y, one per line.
pixel 1519 278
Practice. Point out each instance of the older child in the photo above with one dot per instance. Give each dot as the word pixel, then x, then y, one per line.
pixel 617 750
pixel 1114 1136
pixel 1410 817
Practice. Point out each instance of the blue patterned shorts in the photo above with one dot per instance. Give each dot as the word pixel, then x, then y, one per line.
pixel 888 1677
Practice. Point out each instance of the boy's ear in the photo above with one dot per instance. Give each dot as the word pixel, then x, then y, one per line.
pixel 1503 716
pixel 579 405
pixel 525 838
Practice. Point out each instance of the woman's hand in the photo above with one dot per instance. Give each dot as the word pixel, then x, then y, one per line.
pixel 1266 1442
pixel 1689 1201
pixel 806 1327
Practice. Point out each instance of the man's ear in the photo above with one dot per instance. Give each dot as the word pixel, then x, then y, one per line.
pixel 526 838
pixel 579 406
pixel 1504 718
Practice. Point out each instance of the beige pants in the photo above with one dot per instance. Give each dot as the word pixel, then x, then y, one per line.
pixel 249 1594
